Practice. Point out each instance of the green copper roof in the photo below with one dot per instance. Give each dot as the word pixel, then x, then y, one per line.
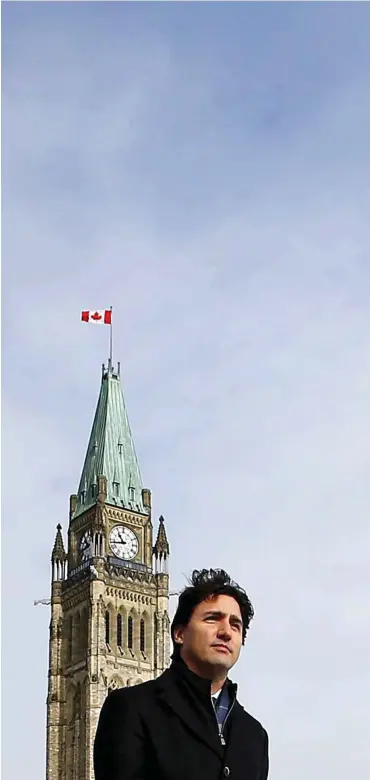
pixel 111 452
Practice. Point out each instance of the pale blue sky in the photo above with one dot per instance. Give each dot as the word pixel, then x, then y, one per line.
pixel 204 168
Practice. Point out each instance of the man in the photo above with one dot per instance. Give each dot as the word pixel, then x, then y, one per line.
pixel 187 724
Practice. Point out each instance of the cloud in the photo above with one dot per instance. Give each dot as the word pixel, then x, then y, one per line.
pixel 206 173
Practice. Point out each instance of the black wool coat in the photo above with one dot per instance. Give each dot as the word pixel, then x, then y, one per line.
pixel 166 729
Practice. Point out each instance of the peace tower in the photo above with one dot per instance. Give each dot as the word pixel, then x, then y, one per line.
pixel 109 622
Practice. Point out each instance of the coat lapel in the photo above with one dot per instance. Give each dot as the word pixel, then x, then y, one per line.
pixel 190 714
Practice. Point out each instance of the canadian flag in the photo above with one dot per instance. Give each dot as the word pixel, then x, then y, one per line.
pixel 99 317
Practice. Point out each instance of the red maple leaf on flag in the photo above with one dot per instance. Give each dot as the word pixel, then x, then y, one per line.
pixel 97 316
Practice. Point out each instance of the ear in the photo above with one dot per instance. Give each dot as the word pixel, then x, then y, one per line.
pixel 178 635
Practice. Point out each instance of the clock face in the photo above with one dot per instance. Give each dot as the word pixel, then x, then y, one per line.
pixel 124 543
pixel 85 545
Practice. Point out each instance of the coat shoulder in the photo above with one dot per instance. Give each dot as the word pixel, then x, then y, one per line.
pixel 134 695
pixel 252 723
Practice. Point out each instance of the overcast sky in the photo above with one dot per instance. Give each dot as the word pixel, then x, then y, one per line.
pixel 204 169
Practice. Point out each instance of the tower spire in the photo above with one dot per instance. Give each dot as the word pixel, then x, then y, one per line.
pixel 161 549
pixel 111 452
pixel 58 557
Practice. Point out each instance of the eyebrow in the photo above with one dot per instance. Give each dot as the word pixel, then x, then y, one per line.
pixel 218 613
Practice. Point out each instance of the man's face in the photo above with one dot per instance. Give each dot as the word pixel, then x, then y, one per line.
pixel 211 642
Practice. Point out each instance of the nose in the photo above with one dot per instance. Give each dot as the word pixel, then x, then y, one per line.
pixel 224 631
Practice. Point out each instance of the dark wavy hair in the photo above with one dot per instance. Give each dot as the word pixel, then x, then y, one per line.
pixel 207 584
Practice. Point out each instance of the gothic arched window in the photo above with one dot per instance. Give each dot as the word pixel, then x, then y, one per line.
pixel 142 635
pixel 77 633
pixel 130 632
pixel 119 630
pixel 84 630
pixel 107 628
pixel 70 638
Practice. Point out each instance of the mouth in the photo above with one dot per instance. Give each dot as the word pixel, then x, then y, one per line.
pixel 222 648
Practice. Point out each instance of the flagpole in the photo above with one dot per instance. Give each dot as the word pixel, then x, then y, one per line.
pixel 111 340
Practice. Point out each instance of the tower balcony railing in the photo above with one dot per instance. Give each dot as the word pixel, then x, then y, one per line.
pixel 112 561
pixel 81 566
pixel 133 565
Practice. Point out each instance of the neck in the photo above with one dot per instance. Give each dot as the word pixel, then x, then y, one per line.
pixel 215 675
pixel 216 686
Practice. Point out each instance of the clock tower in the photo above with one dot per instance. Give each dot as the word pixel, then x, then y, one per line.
pixel 109 623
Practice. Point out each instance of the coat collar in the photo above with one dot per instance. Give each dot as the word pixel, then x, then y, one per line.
pixel 200 685
pixel 189 696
